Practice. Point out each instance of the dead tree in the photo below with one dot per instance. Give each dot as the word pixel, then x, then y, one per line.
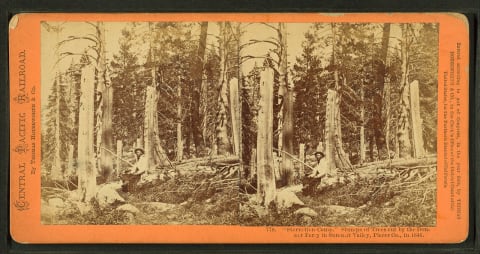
pixel 417 135
pixel 265 171
pixel 235 114
pixel 179 124
pixel 106 90
pixel 154 152
pixel 286 170
pixel 86 166
pixel 197 74
pixel 221 134
pixel 334 153
pixel 404 145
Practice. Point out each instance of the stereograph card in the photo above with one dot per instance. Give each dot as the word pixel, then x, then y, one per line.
pixel 239 128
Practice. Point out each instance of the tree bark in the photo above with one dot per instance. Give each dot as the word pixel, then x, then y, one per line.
pixel 403 123
pixel 265 171
pixel 253 164
pixel 70 161
pixel 362 126
pixel 418 150
pixel 286 91
pixel 197 74
pixel 223 144
pixel 235 115
pixel 334 154
pixel 301 155
pixel 86 166
pixel 179 124
pixel 104 111
pixel 384 103
pixel 56 172
pixel 119 156
pixel 154 153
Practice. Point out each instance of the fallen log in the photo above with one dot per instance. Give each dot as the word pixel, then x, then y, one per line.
pixel 206 161
pixel 398 163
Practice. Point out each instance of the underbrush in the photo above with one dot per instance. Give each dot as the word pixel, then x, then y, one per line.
pixel 381 201
pixel 94 216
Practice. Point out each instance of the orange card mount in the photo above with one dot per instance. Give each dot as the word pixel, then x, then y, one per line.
pixel 239 128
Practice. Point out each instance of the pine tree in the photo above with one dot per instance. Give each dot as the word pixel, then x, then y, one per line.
pixel 129 92
pixel 310 94
pixel 58 132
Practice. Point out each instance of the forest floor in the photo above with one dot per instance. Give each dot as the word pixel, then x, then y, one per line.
pixel 383 199
pixel 210 196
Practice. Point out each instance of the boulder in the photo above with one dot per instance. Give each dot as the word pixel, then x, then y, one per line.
pixel 128 208
pixel 108 196
pixel 307 220
pixel 338 210
pixel 286 199
pixel 307 211
pixel 130 217
pixel 114 185
pixel 56 202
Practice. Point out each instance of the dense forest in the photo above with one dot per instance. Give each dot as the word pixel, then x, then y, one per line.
pixel 229 116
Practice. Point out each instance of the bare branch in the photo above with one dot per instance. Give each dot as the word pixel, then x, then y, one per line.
pixel 274 28
pixel 254 41
pixel 72 38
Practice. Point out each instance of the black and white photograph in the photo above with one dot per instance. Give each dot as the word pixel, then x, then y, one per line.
pixel 239 123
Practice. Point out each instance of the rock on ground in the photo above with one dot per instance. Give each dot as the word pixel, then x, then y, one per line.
pixel 56 202
pixel 307 211
pixel 338 210
pixel 128 208
pixel 108 195
pixel 307 219
pixel 286 199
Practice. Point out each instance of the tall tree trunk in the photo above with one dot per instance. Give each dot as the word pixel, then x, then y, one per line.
pixel 403 123
pixel 56 172
pixel 265 171
pixel 286 124
pixel 301 157
pixel 287 163
pixel 197 74
pixel 417 135
pixel 387 114
pixel 385 43
pixel 179 124
pixel 380 128
pixel 334 153
pixel 118 162
pixel 362 126
pixel 235 115
pixel 86 166
pixel 106 158
pixel 223 144
pixel 154 152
